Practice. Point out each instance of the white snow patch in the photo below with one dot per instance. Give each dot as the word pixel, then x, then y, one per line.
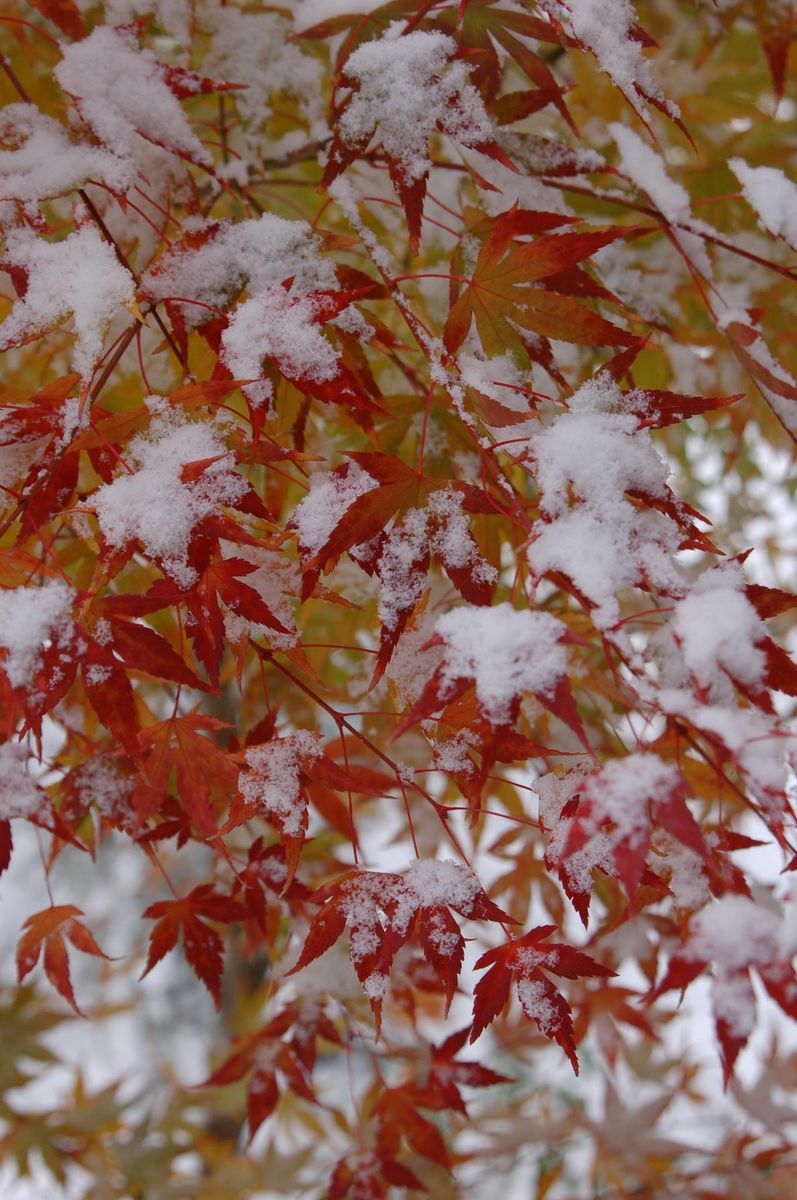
pixel 646 168
pixel 272 785
pixel 322 509
pixel 254 254
pixel 585 462
pixel 42 160
pixel 772 196
pixel 19 795
pixel 120 93
pixel 278 326
pixel 154 506
pixel 506 651
pixel 78 276
pixel 29 617
pixel 409 87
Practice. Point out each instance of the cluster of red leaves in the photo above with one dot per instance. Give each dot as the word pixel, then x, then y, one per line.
pixel 149 656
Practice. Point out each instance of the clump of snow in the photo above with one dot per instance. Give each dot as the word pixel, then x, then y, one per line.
pixel 452 755
pixel 718 631
pixel 646 168
pixel 500 187
pixel 30 617
pixel 322 509
pixel 544 156
pixel 282 327
pixel 426 883
pixel 621 790
pixel 496 377
pixel 78 276
pixel 585 462
pixel 683 871
pixel 341 190
pixel 375 985
pixel 605 27
pixel 154 506
pixel 555 792
pixel 440 528
pixel 734 931
pixel 121 95
pixel 402 673
pixel 506 651
pixel 711 639
pixel 253 48
pixel 409 86
pixel 102 783
pixel 375 904
pixel 16 459
pixel 272 785
pixel 500 379
pixel 535 997
pixel 773 197
pixel 175 17
pixel 595 450
pixel 430 882
pixel 253 254
pixel 42 160
pixel 621 271
pixel 710 644
pixel 19 795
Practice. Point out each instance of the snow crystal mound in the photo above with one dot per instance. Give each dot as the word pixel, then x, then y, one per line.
pixel 442 881
pixel 505 650
pixel 442 528
pixel 254 254
pixel 154 506
pixel 78 276
pixel 44 161
pixel 121 94
pixel 330 496
pixel 734 931
pixel 771 195
pixel 272 782
pixel 621 790
pixel 19 795
pixel 409 86
pixel 605 27
pixel 278 326
pixel 647 170
pixel 29 617
pixel 718 630
pixel 585 463
pixel 252 48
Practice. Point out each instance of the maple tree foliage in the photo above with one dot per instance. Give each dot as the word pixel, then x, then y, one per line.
pixel 396 419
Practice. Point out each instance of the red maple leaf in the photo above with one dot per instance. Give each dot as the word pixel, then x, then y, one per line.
pixel 526 961
pixel 203 945
pixel 267 1055
pixel 499 295
pixel 447 1074
pixel 204 774
pixel 383 910
pixel 46 931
